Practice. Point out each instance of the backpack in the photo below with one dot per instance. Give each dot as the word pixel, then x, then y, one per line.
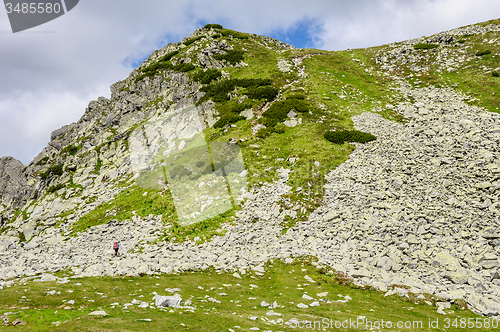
pixel 115 245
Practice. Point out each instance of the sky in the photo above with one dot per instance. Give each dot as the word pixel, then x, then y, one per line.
pixel 49 74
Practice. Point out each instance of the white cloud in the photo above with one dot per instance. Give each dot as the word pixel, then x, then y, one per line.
pixel 51 72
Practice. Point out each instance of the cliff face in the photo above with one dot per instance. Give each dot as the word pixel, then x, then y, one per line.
pixel 214 148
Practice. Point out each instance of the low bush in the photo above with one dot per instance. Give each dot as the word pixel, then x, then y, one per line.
pixel 299 96
pixel 192 40
pixel 227 119
pixel 162 63
pixel 71 149
pixel 232 56
pixel 265 132
pixel 168 56
pixel 56 170
pixel 42 161
pixel 425 46
pixel 217 35
pixel 241 107
pixel 253 82
pixel 55 188
pixel 205 77
pixel 235 34
pixel 495 74
pixel 184 67
pixel 262 92
pixel 342 136
pixel 481 53
pixel 278 111
pixel 213 26
pixel 218 92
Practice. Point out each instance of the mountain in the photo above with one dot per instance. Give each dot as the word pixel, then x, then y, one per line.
pixel 227 150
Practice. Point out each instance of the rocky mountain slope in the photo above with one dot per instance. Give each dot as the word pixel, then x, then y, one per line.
pixel 212 153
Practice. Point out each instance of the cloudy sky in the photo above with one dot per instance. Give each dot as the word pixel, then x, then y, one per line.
pixel 49 74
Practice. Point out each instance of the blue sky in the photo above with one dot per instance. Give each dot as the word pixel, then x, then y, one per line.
pixel 50 73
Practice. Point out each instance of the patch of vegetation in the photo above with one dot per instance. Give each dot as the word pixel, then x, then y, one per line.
pixel 280 283
pixel 495 74
pixel 162 64
pixel 217 35
pixel 219 91
pixel 276 129
pixel 279 110
pixel 342 136
pixel 55 188
pixel 168 56
pixel 213 26
pixel 42 161
pixel 231 56
pixel 206 77
pixel 228 119
pixel 71 149
pixel 184 67
pixel 134 200
pixel 262 92
pixel 235 34
pixel 205 229
pixel 425 46
pixel 481 53
pixel 54 170
pixel 192 40
pixel 238 108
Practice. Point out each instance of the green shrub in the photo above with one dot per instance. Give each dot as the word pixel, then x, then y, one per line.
pixel 241 107
pixel 184 67
pixel 56 170
pixel 341 136
pixel 235 34
pixel 205 77
pixel 192 40
pixel 213 26
pixel 162 63
pixel 42 161
pixel 299 96
pixel 425 46
pixel 461 41
pixel 279 110
pixel 217 35
pixel 71 149
pixel 495 74
pixel 269 122
pixel 262 92
pixel 232 56
pixel 481 53
pixel 55 188
pixel 253 82
pixel 265 132
pixel 168 56
pixel 218 92
pixel 227 119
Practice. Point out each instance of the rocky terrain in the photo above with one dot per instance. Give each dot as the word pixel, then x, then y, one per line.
pixel 419 206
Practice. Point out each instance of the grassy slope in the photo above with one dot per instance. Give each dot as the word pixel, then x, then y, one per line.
pixel 283 283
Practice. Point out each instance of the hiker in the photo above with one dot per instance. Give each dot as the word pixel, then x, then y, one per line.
pixel 116 246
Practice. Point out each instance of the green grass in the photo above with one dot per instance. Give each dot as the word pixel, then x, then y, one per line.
pixel 130 201
pixel 283 283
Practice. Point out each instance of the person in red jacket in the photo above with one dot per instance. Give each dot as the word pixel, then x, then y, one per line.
pixel 116 246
